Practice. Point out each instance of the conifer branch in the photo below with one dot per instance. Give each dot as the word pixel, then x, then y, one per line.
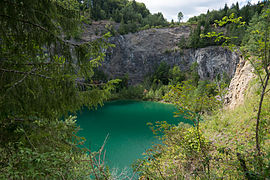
pixel 21 80
pixel 22 72
pixel 47 77
pixel 41 28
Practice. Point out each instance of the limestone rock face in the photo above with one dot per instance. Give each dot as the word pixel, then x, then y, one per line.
pixel 239 84
pixel 138 54
pixel 215 60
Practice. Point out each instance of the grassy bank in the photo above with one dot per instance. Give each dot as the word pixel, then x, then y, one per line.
pixel 223 148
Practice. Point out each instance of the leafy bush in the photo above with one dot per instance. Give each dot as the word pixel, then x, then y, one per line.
pixel 132 92
pixel 46 150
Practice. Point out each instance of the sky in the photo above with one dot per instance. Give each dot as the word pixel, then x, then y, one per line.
pixel 189 8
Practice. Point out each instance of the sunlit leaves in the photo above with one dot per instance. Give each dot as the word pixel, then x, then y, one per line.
pixel 190 101
pixel 231 19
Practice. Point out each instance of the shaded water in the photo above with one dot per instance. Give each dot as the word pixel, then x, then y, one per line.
pixel 126 124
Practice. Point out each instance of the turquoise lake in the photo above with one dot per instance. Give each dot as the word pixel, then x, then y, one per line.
pixel 126 124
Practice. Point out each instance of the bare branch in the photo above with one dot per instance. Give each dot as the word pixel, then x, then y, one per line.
pixel 257 71
pixel 89 84
pixel 16 119
pixel 136 171
pixel 28 139
pixel 36 64
pixel 26 22
pixel 91 162
pixel 27 73
pixel 105 141
pixel 21 80
pixel 97 163
pixel 100 151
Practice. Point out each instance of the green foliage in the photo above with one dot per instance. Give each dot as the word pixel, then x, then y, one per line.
pixel 176 75
pixel 40 152
pixel 196 41
pixel 156 93
pixel 131 92
pixel 194 76
pixel 259 59
pixel 99 76
pixel 228 18
pixel 246 12
pixel 229 144
pixel 212 151
pixel 191 100
pixel 161 74
pixel 155 20
pixel 180 153
pixel 180 16
pixel 257 34
pixel 127 27
pixel 43 78
pixel 184 152
pixel 233 133
pixel 132 15
pixel 155 85
pixel 230 38
pixel 123 83
pixel 182 43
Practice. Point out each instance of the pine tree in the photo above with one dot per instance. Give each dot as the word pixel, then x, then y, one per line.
pixel 43 78
pixel 180 16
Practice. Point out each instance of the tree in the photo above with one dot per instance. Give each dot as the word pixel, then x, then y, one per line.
pixel 256 50
pixel 180 16
pixel 161 74
pixel 225 9
pixel 194 40
pixel 44 77
pixel 185 152
pixel 176 75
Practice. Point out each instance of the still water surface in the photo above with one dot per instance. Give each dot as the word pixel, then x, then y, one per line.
pixel 126 124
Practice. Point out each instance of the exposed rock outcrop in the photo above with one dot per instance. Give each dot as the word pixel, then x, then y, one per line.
pixel 239 84
pixel 138 54
pixel 96 29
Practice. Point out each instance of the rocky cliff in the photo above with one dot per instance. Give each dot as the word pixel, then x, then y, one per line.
pixel 140 53
pixel 239 84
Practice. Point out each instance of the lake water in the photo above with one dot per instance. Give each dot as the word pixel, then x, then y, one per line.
pixel 126 124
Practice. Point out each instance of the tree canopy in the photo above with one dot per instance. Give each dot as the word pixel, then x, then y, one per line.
pixel 206 23
pixel 180 16
pixel 132 15
pixel 45 75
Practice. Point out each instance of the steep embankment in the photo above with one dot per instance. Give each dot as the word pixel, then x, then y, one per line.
pixel 139 53
pixel 239 84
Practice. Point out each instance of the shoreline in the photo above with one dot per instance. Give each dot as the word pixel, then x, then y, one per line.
pixel 159 101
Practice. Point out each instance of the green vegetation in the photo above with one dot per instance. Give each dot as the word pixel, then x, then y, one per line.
pixel 225 139
pixel 180 16
pixel 158 83
pixel 41 83
pixel 222 143
pixel 206 22
pixel 131 15
pixel 45 77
